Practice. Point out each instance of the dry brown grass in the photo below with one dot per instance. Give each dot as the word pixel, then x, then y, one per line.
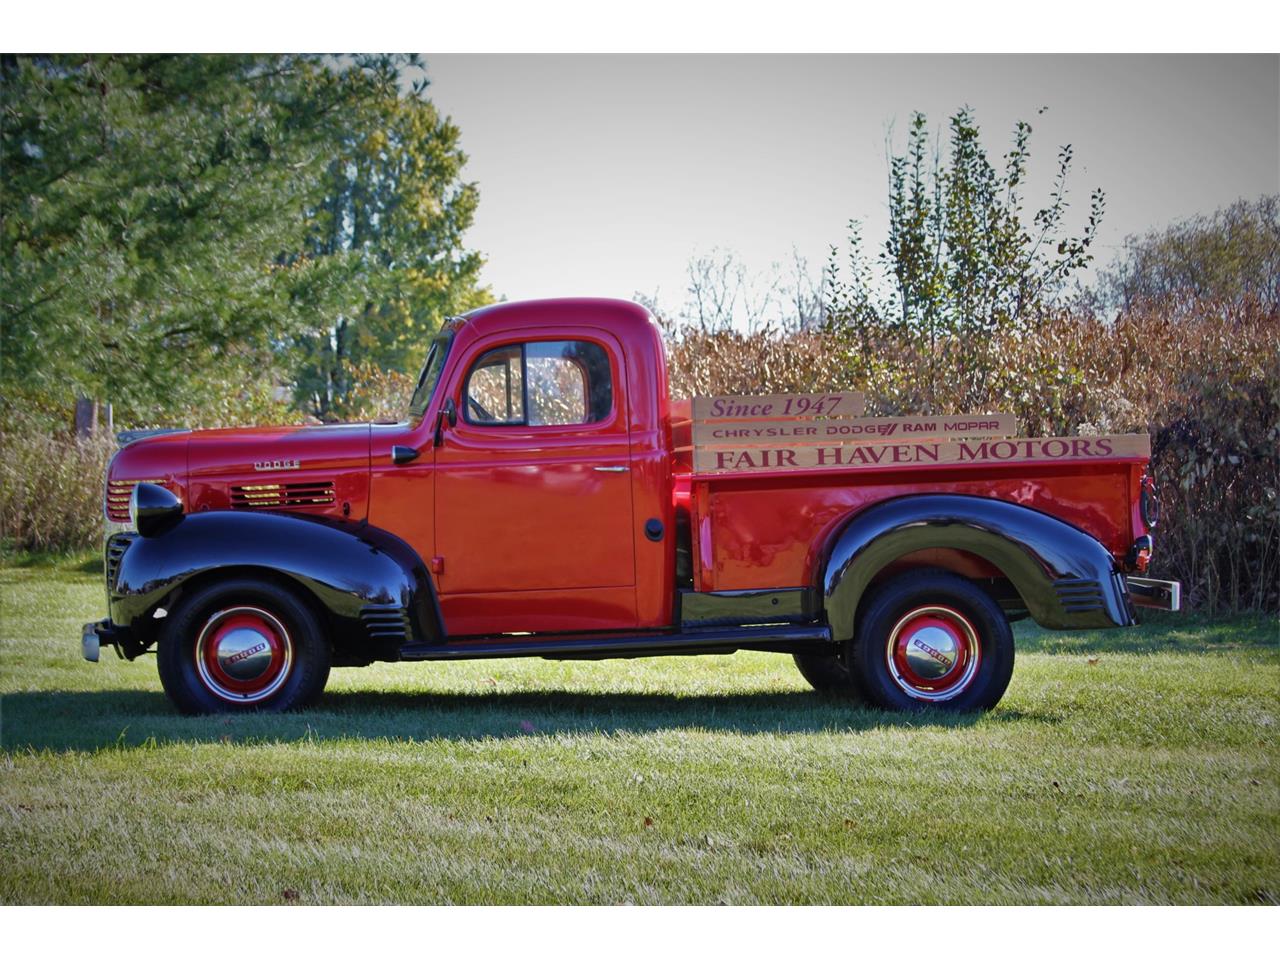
pixel 51 489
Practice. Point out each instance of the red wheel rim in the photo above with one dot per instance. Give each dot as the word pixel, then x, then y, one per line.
pixel 243 654
pixel 933 653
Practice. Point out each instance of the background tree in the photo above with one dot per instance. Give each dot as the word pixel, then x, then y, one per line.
pixel 961 262
pixel 723 294
pixel 181 234
pixel 391 221
pixel 147 205
pixel 1231 256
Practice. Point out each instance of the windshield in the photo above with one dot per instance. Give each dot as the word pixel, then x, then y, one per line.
pixel 430 375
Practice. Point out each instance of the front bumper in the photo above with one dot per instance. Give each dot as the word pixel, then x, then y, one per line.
pixel 89 642
pixel 94 635
pixel 1154 594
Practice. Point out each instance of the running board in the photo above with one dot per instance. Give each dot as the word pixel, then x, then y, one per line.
pixel 781 637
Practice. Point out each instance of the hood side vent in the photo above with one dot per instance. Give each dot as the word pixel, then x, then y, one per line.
pixel 308 495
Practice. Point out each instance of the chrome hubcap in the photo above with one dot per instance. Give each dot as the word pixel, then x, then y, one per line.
pixel 243 654
pixel 933 653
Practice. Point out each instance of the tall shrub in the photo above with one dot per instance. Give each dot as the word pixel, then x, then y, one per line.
pixel 963 262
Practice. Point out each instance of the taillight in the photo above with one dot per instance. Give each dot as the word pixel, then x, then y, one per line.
pixel 1148 503
pixel 1139 557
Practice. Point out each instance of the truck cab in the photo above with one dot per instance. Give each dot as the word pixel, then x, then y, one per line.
pixel 541 492
pixel 543 498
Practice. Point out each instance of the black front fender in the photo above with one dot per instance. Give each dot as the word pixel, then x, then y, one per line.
pixel 1066 578
pixel 371 585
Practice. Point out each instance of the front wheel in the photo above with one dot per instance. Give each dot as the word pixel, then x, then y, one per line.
pixel 930 638
pixel 242 645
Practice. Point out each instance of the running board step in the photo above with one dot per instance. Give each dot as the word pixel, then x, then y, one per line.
pixel 692 641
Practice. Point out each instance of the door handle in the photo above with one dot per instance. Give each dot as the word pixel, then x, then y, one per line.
pixel 610 469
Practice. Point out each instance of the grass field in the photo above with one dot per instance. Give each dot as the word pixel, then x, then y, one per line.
pixel 1122 767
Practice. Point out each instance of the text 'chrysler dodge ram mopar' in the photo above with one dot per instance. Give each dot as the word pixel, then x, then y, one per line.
pixel 546 498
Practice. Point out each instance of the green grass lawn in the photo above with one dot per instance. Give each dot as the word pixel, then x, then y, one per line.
pixel 1122 767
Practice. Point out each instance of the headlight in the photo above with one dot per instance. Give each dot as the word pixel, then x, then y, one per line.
pixel 153 509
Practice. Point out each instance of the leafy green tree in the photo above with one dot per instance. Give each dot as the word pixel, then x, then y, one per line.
pixel 962 261
pixel 1232 256
pixel 172 227
pixel 391 221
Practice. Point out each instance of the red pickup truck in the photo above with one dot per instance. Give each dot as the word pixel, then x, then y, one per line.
pixel 542 500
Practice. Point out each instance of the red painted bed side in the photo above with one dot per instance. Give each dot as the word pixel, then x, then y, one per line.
pixel 763 530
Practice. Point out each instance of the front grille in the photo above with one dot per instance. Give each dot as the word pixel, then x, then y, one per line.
pixel 386 622
pixel 282 496
pixel 1080 596
pixel 116 546
pixel 118 493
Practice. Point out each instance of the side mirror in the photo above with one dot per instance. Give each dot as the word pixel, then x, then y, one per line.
pixel 449 412
pixel 153 509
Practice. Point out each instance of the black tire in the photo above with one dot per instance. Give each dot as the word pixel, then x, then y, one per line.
pixel 929 622
pixel 207 649
pixel 829 675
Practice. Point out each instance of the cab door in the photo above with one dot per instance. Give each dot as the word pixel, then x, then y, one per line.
pixel 533 505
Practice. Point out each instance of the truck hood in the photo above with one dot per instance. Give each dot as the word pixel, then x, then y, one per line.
pixel 311 469
pixel 277 450
pixel 319 470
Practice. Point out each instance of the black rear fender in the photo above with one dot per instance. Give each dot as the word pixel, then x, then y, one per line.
pixel 1066 578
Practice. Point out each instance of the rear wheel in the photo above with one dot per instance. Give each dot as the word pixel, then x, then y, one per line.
pixel 932 639
pixel 828 674
pixel 242 645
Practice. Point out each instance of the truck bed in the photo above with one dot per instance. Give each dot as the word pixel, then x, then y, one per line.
pixel 758 530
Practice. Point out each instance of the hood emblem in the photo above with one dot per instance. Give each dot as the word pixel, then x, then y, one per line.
pixel 265 465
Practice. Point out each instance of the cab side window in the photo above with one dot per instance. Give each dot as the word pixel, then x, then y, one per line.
pixel 495 387
pixel 541 383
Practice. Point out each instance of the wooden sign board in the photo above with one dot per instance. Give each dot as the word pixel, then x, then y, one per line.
pixel 778 406
pixel 863 456
pixel 852 430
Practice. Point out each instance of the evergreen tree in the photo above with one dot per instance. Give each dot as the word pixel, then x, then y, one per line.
pixel 960 257
pixel 147 203
pixel 172 228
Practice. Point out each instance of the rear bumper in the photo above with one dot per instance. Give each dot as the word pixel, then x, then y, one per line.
pixel 1155 594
